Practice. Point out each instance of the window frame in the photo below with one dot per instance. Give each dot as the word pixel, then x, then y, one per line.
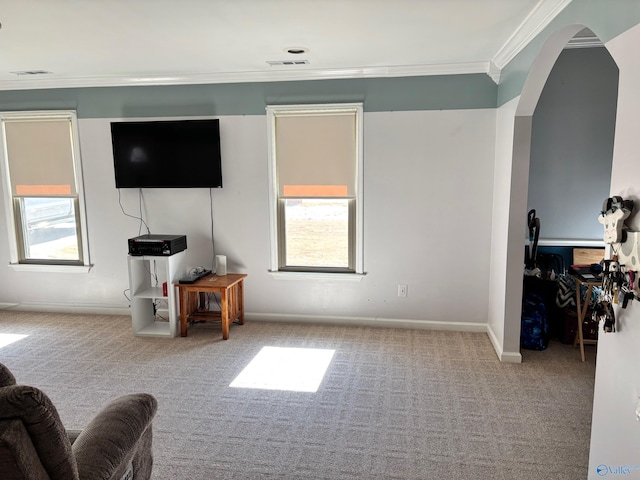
pixel 276 203
pixel 14 213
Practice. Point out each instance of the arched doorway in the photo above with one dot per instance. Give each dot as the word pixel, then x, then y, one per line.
pixel 526 106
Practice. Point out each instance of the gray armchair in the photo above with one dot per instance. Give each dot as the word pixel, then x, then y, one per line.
pixel 115 445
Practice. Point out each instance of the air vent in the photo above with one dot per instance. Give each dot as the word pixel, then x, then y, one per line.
pixel 32 72
pixel 584 42
pixel 277 63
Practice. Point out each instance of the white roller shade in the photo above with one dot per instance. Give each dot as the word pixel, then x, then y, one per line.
pixel 316 155
pixel 40 156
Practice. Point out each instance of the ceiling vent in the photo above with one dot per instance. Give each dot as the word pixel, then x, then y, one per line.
pixel 584 42
pixel 31 72
pixel 277 63
pixel 585 38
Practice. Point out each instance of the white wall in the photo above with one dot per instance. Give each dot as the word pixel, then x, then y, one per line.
pixel 505 124
pixel 428 192
pixel 615 433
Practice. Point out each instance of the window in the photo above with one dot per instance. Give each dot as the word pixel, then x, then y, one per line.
pixel 43 189
pixel 315 173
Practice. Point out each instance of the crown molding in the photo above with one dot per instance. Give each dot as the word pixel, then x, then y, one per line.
pixel 543 13
pixel 494 72
pixel 280 75
pixel 538 19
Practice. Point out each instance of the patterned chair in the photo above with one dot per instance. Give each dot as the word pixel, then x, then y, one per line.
pixel 115 445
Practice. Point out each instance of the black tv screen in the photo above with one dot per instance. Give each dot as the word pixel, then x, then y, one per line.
pixel 167 154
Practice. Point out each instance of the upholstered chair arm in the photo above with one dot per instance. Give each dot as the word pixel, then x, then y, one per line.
pixel 42 424
pixel 118 437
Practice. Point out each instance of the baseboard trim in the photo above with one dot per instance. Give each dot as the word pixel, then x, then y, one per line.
pixel 511 357
pixel 368 322
pixel 505 357
pixel 67 308
pixel 265 317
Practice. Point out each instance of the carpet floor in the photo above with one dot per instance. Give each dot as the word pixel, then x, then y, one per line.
pixel 392 404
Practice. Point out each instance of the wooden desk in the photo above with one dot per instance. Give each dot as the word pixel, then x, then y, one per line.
pixel 581 311
pixel 231 290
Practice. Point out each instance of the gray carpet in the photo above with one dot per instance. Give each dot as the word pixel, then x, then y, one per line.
pixel 394 404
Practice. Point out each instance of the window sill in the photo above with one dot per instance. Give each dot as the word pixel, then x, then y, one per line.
pixel 24 267
pixel 317 276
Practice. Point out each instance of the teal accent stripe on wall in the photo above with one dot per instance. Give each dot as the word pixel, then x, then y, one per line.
pixel 438 92
pixel 606 18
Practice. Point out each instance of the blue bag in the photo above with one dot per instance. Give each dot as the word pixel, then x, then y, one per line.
pixel 534 333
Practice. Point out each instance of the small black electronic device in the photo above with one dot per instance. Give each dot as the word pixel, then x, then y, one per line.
pixel 195 274
pixel 158 245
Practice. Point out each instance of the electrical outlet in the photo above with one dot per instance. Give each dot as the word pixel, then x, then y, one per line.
pixel 402 291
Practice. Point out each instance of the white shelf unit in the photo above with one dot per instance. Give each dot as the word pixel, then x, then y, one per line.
pixel 147 273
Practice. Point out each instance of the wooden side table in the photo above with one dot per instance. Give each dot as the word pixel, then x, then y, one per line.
pixel 192 301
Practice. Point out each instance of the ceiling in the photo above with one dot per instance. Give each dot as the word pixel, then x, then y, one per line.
pixel 146 42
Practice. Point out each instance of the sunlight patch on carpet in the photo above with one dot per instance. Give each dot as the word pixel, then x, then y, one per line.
pixel 9 338
pixel 279 368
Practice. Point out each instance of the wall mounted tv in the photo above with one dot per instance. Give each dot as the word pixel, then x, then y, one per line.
pixel 167 154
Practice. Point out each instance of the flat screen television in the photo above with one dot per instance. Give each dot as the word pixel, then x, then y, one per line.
pixel 167 154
